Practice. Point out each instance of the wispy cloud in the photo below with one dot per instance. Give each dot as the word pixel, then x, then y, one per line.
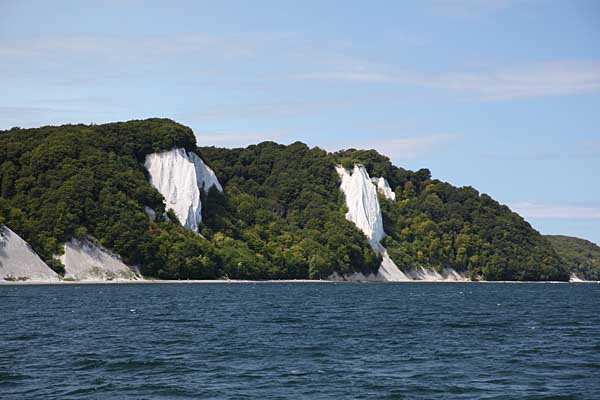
pixel 531 80
pixel 129 46
pixel 575 149
pixel 403 148
pixel 214 56
pixel 283 108
pixel 357 75
pixel 552 211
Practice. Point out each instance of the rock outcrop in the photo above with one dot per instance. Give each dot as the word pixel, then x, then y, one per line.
pixel 19 262
pixel 384 188
pixel 180 176
pixel 85 260
pixel 574 278
pixel 423 274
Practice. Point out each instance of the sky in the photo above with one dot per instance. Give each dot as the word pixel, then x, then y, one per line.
pixel 501 95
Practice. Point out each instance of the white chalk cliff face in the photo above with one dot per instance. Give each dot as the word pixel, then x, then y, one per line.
pixel 362 202
pixel 88 261
pixel 19 261
pixel 205 177
pixel 365 212
pixel 180 176
pixel 384 188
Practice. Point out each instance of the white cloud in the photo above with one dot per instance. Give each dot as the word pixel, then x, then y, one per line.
pixel 358 75
pixel 214 56
pixel 538 210
pixel 530 80
pixel 129 47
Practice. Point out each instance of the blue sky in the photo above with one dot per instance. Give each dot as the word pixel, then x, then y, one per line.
pixel 501 95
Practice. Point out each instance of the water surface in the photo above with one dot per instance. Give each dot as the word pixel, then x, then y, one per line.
pixel 300 340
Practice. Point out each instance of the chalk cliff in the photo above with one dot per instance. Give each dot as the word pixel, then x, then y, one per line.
pixel 19 261
pixel 384 188
pixel 365 212
pixel 423 274
pixel 85 260
pixel 180 176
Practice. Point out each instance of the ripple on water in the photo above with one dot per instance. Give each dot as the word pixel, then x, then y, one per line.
pixel 274 341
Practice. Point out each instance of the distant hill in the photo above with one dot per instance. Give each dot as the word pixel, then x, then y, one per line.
pixel 581 256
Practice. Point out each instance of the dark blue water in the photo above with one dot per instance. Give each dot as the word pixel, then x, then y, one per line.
pixel 302 340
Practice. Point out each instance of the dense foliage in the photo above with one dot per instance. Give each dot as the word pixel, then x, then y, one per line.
pixel 436 225
pixel 281 214
pixel 57 183
pixel 284 202
pixel 581 257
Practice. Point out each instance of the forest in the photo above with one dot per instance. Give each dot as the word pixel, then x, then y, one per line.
pixel 281 215
pixel 580 256
pixel 437 225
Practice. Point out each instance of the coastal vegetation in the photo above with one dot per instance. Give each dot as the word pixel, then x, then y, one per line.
pixel 58 183
pixel 281 214
pixel 437 225
pixel 580 256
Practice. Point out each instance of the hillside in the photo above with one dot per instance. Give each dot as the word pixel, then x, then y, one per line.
pixel 58 183
pixel 581 256
pixel 431 224
pixel 281 214
pixel 435 224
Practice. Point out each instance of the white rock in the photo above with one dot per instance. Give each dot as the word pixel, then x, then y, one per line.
pixel 384 188
pixel 450 274
pixel 180 176
pixel 363 205
pixel 88 261
pixel 388 270
pixel 205 177
pixel 424 274
pixel 365 212
pixel 574 278
pixel 18 260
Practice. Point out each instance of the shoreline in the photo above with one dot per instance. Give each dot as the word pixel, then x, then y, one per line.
pixel 234 281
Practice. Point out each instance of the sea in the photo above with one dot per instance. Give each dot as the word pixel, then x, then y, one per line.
pixel 421 340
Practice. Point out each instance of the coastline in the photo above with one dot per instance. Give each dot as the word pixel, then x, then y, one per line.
pixel 230 281
pixel 158 281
